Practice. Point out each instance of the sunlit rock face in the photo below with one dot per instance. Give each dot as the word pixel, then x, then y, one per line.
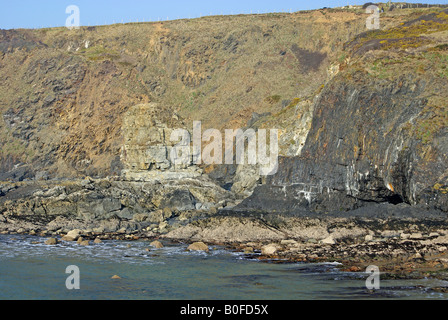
pixel 362 149
pixel 146 153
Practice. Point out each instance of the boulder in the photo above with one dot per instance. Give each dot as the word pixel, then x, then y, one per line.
pixel 51 242
pixel 181 200
pixel 156 244
pixel 198 246
pixel 269 249
pixel 68 238
pixel 74 234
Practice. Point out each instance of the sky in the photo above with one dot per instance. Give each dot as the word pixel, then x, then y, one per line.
pixel 52 13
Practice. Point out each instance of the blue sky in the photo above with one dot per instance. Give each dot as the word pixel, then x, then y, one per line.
pixel 51 13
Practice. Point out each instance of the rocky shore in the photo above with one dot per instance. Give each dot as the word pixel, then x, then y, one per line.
pixel 403 247
pixel 400 254
pixel 403 241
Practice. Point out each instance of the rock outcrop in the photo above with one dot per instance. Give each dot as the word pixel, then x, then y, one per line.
pixel 373 139
pixel 146 153
pixel 110 205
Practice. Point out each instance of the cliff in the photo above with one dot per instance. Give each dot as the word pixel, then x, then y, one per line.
pixel 379 128
pixel 362 116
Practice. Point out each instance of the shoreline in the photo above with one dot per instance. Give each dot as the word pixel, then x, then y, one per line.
pixel 403 241
pixel 399 257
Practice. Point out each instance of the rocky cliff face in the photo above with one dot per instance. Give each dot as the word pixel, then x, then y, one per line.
pixel 65 93
pixel 148 145
pixel 362 116
pixel 379 129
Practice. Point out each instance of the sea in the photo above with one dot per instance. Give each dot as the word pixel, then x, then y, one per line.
pixel 31 270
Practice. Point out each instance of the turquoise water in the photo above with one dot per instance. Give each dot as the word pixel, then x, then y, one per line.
pixel 34 271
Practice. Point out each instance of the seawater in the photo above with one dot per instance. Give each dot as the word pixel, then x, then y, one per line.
pixel 31 270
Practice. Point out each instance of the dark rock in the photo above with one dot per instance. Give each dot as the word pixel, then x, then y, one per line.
pixel 363 155
pixel 18 173
pixel 224 175
pixel 181 200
